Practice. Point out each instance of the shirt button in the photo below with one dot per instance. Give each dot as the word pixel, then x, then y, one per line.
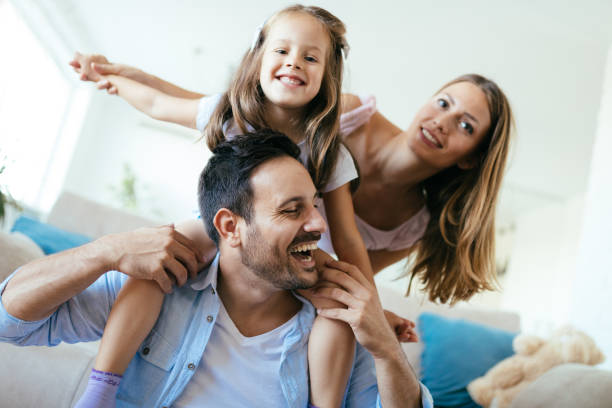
pixel 191 366
pixel 209 318
pixel 146 350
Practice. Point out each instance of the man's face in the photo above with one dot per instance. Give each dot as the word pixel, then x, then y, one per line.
pixel 285 225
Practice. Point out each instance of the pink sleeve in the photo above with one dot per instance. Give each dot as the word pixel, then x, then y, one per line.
pixel 357 117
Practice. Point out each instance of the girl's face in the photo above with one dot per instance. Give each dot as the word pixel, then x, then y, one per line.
pixel 293 62
pixel 447 130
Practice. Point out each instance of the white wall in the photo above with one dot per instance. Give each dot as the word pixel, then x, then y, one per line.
pixel 591 303
pixel 166 160
pixel 540 274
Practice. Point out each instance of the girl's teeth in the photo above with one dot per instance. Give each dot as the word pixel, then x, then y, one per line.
pixel 290 81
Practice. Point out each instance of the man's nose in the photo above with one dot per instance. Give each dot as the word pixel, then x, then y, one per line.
pixel 315 221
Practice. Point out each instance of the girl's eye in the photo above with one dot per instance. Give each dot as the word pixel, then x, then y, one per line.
pixel 442 103
pixel 280 51
pixel 310 59
pixel 467 126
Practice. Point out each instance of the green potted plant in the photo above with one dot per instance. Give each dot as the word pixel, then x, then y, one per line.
pixel 6 199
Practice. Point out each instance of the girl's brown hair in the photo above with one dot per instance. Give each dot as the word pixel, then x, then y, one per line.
pixel 244 100
pixel 456 257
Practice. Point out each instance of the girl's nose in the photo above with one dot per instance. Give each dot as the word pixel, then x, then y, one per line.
pixel 292 61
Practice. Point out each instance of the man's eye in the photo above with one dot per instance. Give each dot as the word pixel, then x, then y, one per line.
pixel 442 103
pixel 467 127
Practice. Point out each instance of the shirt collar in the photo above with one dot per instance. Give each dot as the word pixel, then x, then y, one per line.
pixel 208 276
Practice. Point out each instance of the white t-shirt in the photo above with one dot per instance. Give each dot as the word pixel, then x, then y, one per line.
pixel 238 371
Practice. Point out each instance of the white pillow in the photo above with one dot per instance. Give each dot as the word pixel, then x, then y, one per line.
pixel 16 249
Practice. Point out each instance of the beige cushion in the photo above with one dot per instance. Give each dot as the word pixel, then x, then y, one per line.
pixel 16 249
pixel 50 377
pixel 74 213
pixel 568 386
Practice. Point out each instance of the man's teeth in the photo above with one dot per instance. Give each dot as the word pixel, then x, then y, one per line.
pixel 292 81
pixel 304 247
pixel 429 137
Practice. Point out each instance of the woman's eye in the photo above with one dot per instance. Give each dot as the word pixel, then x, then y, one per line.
pixel 290 211
pixel 442 103
pixel 467 126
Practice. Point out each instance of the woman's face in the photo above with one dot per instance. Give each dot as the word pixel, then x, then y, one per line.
pixel 447 130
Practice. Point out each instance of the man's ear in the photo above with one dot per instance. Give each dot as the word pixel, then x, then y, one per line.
pixel 226 223
pixel 469 162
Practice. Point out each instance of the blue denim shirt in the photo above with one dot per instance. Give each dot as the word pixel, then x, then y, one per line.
pixel 169 356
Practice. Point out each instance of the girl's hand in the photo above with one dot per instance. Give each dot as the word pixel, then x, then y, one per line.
pixel 105 83
pixel 83 64
pixel 403 328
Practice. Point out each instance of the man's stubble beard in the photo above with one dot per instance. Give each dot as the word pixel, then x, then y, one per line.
pixel 270 264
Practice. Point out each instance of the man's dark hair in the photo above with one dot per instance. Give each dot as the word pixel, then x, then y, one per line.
pixel 225 181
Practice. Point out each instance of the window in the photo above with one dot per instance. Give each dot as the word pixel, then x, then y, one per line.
pixel 40 114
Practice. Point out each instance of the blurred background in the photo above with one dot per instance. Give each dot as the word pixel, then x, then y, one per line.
pixel 552 58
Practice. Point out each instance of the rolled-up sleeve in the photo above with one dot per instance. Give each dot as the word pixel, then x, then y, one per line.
pixel 81 318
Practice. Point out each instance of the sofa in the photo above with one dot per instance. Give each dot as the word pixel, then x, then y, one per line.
pixel 55 376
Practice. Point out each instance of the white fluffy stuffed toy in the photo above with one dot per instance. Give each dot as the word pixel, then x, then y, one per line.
pixel 534 356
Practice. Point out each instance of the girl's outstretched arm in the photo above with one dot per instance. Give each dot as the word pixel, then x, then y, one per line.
pixel 91 67
pixel 152 102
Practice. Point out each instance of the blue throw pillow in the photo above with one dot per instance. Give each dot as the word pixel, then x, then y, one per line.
pixel 49 238
pixel 456 352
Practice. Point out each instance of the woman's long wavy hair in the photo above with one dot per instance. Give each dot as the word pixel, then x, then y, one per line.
pixel 455 259
pixel 244 101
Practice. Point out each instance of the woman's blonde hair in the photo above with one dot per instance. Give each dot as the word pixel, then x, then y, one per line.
pixel 456 256
pixel 244 100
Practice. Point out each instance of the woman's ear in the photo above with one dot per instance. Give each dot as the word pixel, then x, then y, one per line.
pixel 226 223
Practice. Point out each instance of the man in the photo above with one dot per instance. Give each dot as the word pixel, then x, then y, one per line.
pixel 235 334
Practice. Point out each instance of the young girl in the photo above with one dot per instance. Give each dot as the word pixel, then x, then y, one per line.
pixel 290 81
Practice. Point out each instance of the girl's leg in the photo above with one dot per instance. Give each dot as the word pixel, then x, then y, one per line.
pixel 132 317
pixel 331 350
